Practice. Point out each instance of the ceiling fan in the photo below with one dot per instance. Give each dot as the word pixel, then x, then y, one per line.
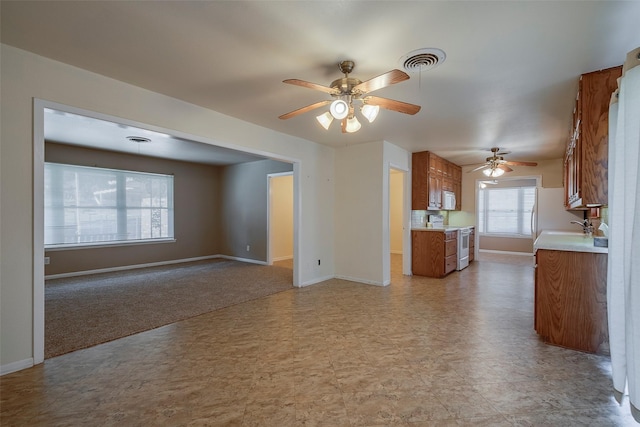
pixel 496 165
pixel 346 91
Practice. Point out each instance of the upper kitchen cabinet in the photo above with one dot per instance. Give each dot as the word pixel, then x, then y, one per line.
pixel 430 176
pixel 586 157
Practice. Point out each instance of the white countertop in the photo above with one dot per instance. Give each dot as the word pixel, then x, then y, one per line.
pixel 441 229
pixel 567 241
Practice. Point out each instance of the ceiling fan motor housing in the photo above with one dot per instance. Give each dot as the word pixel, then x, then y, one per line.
pixel 345 86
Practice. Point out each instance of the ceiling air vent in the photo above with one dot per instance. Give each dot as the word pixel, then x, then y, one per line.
pixel 422 59
pixel 138 139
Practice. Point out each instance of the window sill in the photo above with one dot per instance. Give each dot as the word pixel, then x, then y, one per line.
pixel 96 245
pixel 507 236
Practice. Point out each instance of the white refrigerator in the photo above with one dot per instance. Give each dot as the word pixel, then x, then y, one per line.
pixel 549 212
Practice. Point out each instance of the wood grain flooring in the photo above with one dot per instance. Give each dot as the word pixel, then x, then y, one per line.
pixel 420 352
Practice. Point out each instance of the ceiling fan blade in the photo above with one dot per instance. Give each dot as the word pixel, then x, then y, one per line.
pixel 303 83
pixel 520 163
pixel 505 168
pixel 304 109
pixel 479 168
pixel 383 80
pixel 390 104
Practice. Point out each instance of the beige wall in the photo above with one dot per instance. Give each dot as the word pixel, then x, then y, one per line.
pixel 358 217
pixel 196 212
pixel 281 217
pixel 395 211
pixel 25 77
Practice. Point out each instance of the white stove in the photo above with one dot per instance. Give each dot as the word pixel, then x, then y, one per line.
pixel 464 234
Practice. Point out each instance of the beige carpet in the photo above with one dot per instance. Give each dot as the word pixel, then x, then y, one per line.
pixel 84 311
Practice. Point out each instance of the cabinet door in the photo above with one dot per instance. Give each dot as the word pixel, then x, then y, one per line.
pixel 420 196
pixel 435 191
pixel 595 94
pixel 570 301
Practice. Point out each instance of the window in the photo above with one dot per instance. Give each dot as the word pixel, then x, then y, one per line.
pixel 506 211
pixel 88 206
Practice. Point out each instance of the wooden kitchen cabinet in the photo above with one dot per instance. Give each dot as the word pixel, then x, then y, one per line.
pixel 434 253
pixel 430 176
pixel 571 299
pixel 586 155
pixel 472 244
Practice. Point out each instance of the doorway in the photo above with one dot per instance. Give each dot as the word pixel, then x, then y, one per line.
pixel 197 143
pixel 280 219
pixel 397 251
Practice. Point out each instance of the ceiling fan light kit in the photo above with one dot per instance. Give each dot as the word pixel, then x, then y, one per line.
pixel 353 125
pixel 325 119
pixel 370 112
pixel 339 109
pixel 493 173
pixel 348 90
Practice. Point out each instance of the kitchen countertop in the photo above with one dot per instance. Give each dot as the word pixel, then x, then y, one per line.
pixel 566 241
pixel 441 229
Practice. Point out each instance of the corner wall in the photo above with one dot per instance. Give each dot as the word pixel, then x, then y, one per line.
pixel 25 76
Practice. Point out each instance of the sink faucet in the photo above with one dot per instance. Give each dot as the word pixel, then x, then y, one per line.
pixel 587 227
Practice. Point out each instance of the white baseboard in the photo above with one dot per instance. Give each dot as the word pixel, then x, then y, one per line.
pixel 489 251
pixel 316 280
pixel 282 258
pixel 150 264
pixel 235 258
pixel 358 280
pixel 16 366
pixel 129 267
pixel 396 252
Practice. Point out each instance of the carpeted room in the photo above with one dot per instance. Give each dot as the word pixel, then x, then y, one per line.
pixel 82 310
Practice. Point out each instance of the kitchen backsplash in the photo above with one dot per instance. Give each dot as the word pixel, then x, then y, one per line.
pixel 419 218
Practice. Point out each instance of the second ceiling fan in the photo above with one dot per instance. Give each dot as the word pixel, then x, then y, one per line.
pixel 496 165
pixel 346 91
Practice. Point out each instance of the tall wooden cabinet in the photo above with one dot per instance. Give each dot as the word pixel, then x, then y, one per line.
pixel 430 176
pixel 586 156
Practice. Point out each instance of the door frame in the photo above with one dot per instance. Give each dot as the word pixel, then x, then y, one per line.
pixel 406 223
pixel 269 201
pixel 39 105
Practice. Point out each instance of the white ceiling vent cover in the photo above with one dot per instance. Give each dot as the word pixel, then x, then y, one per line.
pixel 422 59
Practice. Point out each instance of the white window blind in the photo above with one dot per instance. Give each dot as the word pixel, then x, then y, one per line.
pixel 87 205
pixel 506 211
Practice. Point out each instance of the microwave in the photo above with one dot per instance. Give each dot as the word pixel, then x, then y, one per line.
pixel 448 200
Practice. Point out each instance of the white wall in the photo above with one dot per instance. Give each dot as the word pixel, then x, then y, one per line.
pixel 25 76
pixel 362 210
pixel 359 212
pixel 281 217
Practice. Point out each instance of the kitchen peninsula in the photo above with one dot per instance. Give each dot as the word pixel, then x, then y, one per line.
pixel 571 291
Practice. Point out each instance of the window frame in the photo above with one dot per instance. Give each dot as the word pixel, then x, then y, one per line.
pixel 121 211
pixel 484 193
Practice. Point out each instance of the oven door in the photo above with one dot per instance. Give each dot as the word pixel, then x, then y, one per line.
pixel 464 235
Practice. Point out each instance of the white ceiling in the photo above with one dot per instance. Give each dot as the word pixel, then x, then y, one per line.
pixel 509 79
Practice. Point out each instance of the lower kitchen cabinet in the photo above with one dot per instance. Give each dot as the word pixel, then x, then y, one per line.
pixel 434 252
pixel 571 299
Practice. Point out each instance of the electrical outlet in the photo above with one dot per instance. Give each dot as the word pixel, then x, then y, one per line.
pixel 47 260
pixel 248 248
